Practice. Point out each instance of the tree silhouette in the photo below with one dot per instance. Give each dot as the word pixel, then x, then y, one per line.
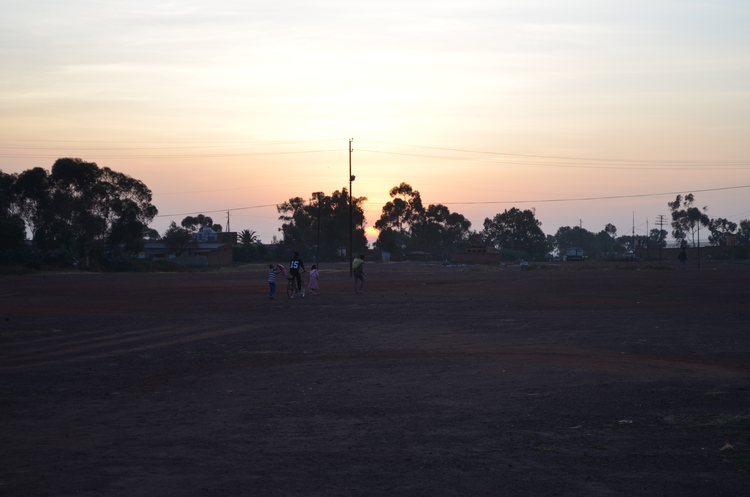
pixel 515 229
pixel 177 238
pixel 321 225
pixel 686 219
pixel 248 237
pixel 720 229
pixel 406 223
pixel 83 210
pixel 197 223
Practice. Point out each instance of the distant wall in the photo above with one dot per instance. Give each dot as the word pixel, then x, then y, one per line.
pixel 670 254
pixel 476 258
pixel 222 256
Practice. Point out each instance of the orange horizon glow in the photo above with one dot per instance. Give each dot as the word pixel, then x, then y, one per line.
pixel 371 233
pixel 479 106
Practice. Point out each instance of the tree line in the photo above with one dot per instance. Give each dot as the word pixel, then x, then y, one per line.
pixel 75 211
pixel 78 210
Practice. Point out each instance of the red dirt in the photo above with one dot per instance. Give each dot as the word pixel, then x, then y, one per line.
pixel 438 381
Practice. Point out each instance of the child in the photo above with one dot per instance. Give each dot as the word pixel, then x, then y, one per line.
pixel 314 280
pixel 272 279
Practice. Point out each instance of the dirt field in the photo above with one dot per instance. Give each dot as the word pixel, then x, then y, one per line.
pixel 437 381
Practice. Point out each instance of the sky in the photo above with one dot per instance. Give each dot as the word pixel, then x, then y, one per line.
pixel 588 112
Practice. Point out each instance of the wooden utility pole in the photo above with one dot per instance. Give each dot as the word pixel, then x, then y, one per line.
pixel 317 247
pixel 660 222
pixel 351 225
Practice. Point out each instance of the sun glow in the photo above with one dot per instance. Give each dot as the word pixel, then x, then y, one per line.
pixel 371 233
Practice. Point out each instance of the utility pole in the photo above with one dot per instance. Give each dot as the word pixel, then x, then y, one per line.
pixel 351 224
pixel 227 230
pixel 317 247
pixel 660 222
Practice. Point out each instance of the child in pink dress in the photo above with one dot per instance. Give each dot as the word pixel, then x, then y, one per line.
pixel 314 279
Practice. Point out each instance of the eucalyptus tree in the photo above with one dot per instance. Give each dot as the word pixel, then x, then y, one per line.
pixel 686 218
pixel 321 224
pixel 82 209
pixel 720 229
pixel 743 232
pixel 197 223
pixel 515 229
pixel 438 230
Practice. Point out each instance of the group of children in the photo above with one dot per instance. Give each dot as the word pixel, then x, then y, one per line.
pixel 279 268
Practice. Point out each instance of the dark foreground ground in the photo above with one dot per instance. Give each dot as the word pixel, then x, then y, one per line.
pixel 438 381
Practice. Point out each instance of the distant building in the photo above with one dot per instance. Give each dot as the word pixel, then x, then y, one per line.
pixel 209 235
pixel 196 254
pixel 478 254
pixel 574 254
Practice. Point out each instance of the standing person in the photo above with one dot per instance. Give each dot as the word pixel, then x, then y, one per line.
pixel 314 280
pixel 295 265
pixel 272 271
pixel 358 265
pixel 682 258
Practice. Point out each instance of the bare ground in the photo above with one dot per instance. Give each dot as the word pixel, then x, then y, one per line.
pixel 438 381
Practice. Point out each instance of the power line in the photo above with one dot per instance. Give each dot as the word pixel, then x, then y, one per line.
pixel 562 157
pixel 582 199
pixel 172 156
pixel 234 144
pixel 621 165
pixel 217 210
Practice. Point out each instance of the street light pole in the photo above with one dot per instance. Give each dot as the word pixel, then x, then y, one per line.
pixel 351 225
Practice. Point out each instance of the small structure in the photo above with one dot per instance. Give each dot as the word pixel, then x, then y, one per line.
pixel 209 235
pixel 196 254
pixel 574 254
pixel 478 255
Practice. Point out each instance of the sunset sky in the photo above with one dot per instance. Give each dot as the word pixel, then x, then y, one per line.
pixel 589 112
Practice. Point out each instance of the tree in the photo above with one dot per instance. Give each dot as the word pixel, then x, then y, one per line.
pixel 515 229
pixel 248 237
pixel 611 232
pixel 438 229
pixel 658 237
pixel 401 213
pixel 83 210
pixel 405 223
pixel 12 226
pixel 197 223
pixel 8 199
pixel 743 234
pixel 686 219
pixel 321 225
pixel 567 237
pixel 177 238
pixel 30 198
pixel 151 234
pixel 720 228
pixel 11 236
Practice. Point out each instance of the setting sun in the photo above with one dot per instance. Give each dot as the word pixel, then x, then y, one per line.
pixel 371 233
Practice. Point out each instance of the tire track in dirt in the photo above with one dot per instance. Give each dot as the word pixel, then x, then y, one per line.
pixel 121 344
